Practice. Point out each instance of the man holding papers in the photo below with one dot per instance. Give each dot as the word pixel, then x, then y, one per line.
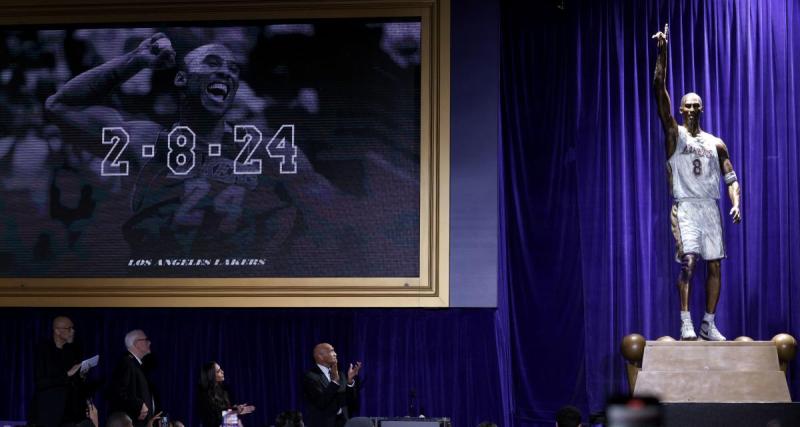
pixel 59 380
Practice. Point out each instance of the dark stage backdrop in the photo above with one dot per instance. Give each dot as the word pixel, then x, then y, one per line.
pixel 446 357
pixel 588 256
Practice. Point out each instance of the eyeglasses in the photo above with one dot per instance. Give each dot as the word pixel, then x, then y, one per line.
pixel 67 328
pixel 142 339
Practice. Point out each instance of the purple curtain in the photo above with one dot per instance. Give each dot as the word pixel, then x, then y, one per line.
pixel 540 242
pixel 589 256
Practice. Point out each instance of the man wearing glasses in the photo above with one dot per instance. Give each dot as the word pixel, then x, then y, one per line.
pixel 130 389
pixel 58 398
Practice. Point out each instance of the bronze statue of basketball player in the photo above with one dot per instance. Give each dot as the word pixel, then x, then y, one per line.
pixel 695 162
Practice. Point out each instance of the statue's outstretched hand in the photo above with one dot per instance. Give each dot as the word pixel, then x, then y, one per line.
pixel 661 37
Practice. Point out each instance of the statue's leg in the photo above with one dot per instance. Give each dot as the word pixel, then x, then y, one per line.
pixel 708 329
pixel 688 262
pixel 713 285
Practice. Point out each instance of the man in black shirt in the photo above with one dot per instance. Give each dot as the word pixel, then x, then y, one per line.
pixel 58 398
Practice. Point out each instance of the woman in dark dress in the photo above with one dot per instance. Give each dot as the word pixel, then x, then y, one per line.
pixel 212 397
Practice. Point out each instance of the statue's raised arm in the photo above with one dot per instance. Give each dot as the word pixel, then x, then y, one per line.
pixel 660 91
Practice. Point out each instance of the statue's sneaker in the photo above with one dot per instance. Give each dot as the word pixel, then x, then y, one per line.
pixel 687 331
pixel 709 332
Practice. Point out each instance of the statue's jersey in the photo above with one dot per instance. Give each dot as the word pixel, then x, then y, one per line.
pixel 694 166
pixel 209 211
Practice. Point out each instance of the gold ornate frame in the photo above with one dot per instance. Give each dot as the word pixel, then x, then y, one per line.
pixel 430 289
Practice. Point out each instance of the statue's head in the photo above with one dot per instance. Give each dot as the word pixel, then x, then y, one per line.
pixel 691 108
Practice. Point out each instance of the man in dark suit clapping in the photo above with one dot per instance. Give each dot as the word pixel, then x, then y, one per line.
pixel 331 397
pixel 130 389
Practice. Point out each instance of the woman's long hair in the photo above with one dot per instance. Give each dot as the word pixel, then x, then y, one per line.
pixel 209 385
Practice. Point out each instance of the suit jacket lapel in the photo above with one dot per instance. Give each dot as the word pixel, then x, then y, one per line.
pixel 322 378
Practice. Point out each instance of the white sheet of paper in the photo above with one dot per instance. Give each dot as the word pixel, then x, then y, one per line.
pixel 229 418
pixel 90 363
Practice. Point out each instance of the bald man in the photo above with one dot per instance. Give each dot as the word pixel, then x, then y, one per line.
pixel 59 396
pixel 696 161
pixel 331 396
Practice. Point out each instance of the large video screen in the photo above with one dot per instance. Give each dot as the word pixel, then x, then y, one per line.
pixel 263 149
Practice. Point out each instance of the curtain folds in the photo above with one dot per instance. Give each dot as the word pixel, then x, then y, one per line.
pixel 541 259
